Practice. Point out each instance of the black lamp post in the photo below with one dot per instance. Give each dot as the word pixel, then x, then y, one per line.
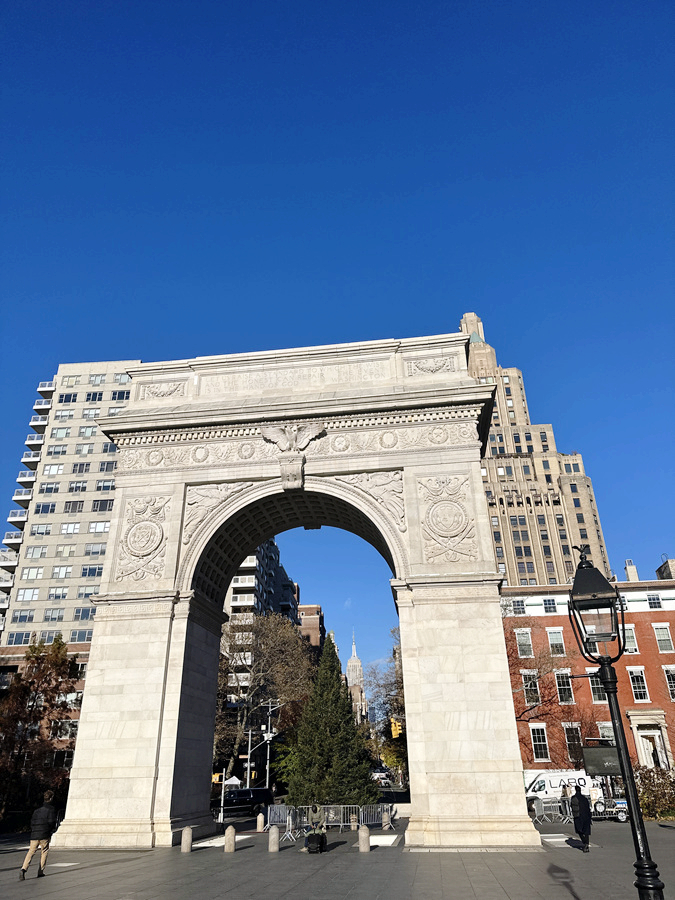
pixel 594 613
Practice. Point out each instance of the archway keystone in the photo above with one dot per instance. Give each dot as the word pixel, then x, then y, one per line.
pixel 217 454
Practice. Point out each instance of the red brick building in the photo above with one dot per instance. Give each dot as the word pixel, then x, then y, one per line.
pixel 556 712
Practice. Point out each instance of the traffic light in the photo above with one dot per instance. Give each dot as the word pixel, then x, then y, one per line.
pixel 396 728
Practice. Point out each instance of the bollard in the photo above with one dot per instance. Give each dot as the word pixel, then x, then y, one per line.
pixel 260 822
pixel 386 820
pixel 353 822
pixel 364 839
pixel 230 842
pixel 273 844
pixel 186 840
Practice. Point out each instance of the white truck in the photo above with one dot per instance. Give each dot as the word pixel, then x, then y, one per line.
pixel 547 784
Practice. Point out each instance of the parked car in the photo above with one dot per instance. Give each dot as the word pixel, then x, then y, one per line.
pixel 246 801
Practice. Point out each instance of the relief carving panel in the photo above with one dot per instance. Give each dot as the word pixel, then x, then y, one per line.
pixel 143 544
pixel 448 530
pixel 203 499
pixel 293 377
pixel 386 488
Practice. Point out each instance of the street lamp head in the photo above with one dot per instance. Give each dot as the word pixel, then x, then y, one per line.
pixel 594 605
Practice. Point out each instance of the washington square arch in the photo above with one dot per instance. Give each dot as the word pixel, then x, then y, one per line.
pixel 217 454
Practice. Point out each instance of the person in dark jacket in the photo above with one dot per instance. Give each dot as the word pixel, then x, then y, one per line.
pixel 581 810
pixel 42 827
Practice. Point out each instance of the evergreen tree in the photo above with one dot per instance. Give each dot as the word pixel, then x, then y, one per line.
pixel 330 763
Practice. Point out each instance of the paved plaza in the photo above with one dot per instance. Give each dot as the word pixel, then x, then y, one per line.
pixel 389 871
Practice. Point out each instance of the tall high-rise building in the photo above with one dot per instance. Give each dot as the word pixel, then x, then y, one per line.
pixel 355 683
pixel 540 501
pixel 65 504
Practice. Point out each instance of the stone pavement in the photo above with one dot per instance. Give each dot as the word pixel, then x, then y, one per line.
pixel 557 872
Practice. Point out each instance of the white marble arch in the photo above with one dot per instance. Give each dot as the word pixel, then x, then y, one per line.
pixel 381 438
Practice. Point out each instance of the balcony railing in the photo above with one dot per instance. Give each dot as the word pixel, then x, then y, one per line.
pixel 46 387
pixel 6 581
pixel 39 421
pixel 31 457
pixel 26 475
pixel 22 495
pixel 17 515
pixel 35 439
pixel 8 559
pixel 13 537
pixel 42 404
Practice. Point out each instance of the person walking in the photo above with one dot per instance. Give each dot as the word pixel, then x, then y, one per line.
pixel 581 810
pixel 42 827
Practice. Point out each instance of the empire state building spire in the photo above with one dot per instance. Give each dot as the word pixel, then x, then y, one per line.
pixel 354 667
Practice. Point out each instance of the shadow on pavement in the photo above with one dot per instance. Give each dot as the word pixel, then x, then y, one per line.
pixel 564 878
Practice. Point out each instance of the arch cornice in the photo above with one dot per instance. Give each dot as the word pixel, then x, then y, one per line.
pixel 242 494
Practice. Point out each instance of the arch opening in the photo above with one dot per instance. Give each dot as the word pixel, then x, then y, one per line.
pixel 268 516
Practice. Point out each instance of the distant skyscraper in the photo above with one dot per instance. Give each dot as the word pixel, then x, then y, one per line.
pixel 540 501
pixel 355 684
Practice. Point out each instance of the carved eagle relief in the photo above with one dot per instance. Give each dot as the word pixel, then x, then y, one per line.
pixel 292 437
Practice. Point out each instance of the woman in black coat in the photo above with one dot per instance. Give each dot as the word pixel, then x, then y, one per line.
pixel 581 810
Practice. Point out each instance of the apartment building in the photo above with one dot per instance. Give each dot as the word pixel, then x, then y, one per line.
pixel 64 504
pixel 560 703
pixel 540 500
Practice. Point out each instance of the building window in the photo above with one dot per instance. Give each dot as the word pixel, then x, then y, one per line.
pixel 577 502
pixel 70 380
pixel 61 571
pixel 563 683
pixel 76 487
pixel 638 685
pixel 546 464
pixel 518 607
pixel 580 518
pixel 105 484
pixel 573 487
pixel 27 595
pixel 54 615
pixel 583 533
pixel 122 378
pixel 87 431
pixel 81 637
pixel 556 641
pixel 40 530
pixel 43 509
pixel 70 527
pixel 49 487
pixel 99 527
pixel 654 601
pixel 58 593
pixel 80 468
pixel 107 466
pixel 65 550
pixel 96 380
pixel 36 552
pixel 631 641
pixel 32 573
pixel 102 505
pixel 550 605
pixel 49 636
pixel 57 449
pixel 53 469
pixel 73 506
pixel 663 638
pixel 67 398
pixel 94 549
pixel 23 616
pixel 92 571
pixel 84 449
pixel 524 642
pixel 110 448
pixel 84 613
pixel 669 672
pixel 91 413
pixel 120 395
pixel 531 688
pixel 573 741
pixel 60 432
pixel 597 690
pixel 546 549
pixel 94 396
pixel 85 591
pixel 64 415
pixel 539 742
pixel 18 638
pixel 500 552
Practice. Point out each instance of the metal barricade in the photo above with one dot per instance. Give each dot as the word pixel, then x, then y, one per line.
pixel 347 813
pixel 372 814
pixel 276 815
pixel 291 832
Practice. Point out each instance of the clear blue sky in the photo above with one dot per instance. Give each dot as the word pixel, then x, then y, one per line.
pixel 187 178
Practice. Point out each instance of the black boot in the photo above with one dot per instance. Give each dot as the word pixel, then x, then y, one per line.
pixel 41 873
pixel 22 874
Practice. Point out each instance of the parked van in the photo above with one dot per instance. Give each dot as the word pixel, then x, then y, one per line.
pixel 547 784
